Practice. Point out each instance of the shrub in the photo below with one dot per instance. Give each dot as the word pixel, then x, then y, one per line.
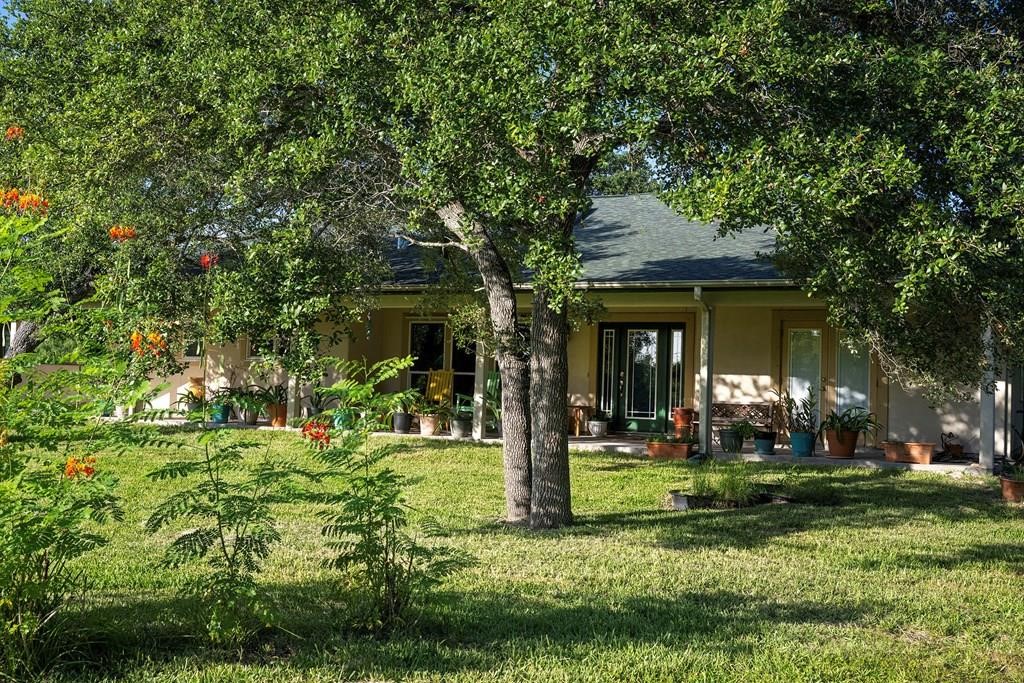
pixel 52 490
pixel 367 523
pixel 230 501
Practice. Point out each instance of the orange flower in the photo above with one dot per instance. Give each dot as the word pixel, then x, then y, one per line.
pixel 136 341
pixel 23 202
pixel 157 343
pixel 14 133
pixel 208 261
pixel 122 233
pixel 85 468
pixel 318 434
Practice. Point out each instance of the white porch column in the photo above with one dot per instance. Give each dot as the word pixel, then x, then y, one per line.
pixel 705 387
pixel 986 457
pixel 294 406
pixel 479 387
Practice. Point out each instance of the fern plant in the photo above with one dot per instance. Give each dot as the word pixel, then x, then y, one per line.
pixel 230 503
pixel 367 523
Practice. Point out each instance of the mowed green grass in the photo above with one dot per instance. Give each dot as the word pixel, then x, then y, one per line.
pixel 882 577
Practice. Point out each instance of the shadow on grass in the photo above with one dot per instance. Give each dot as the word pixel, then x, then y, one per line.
pixel 456 632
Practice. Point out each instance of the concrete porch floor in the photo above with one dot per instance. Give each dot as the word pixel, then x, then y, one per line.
pixel 873 458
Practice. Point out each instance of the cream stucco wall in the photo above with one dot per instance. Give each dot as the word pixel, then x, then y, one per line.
pixel 743 355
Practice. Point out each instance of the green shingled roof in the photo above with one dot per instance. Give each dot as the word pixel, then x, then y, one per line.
pixel 638 239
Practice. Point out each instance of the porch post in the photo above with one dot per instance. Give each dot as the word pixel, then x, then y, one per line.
pixel 986 457
pixel 707 370
pixel 479 387
pixel 293 408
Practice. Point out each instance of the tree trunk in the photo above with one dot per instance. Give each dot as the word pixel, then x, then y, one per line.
pixel 26 339
pixel 551 504
pixel 512 354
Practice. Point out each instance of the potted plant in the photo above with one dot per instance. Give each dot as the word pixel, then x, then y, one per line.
pixel 843 430
pixel 220 406
pixel 192 400
pixel 462 425
pixel 1011 477
pixel 732 437
pixel 431 416
pixel 250 402
pixel 317 401
pixel 764 441
pixel 951 446
pixel 919 452
pixel 663 446
pixel 802 423
pixel 598 424
pixel 276 397
pixel 400 404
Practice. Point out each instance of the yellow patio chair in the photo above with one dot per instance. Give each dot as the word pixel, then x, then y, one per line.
pixel 439 387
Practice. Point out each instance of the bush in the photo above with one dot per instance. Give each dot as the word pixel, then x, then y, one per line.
pixel 368 522
pixel 51 491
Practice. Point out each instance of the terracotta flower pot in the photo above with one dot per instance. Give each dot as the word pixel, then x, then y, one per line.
pixel 682 420
pixel 1013 490
pixel 918 452
pixel 841 444
pixel 429 424
pixel 278 414
pixel 660 450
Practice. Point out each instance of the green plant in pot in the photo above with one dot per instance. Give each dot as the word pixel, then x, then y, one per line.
pixel 220 406
pixel 1011 476
pixel 191 401
pixel 802 422
pixel 250 402
pixel 672 447
pixel 843 430
pixel 401 405
pixel 492 406
pixel 431 416
pixel 731 438
pixel 316 401
pixel 276 397
pixel 462 424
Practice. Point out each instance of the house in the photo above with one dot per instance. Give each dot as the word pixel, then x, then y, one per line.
pixel 692 319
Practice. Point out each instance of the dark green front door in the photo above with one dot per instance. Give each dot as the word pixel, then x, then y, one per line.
pixel 640 371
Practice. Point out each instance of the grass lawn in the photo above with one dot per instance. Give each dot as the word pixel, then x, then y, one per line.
pixel 887 576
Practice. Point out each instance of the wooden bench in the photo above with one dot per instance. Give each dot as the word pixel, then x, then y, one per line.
pixel 725 414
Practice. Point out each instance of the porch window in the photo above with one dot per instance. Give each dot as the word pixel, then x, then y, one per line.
pixel 642 374
pixel 675 371
pixel 194 350
pixel 608 372
pixel 854 378
pixel 426 346
pixel 463 370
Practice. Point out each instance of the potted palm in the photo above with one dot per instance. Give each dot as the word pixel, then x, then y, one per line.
pixel 276 397
pixel 492 402
pixel 663 446
pixel 843 430
pixel 317 401
pixel 462 424
pixel 401 418
pixel 598 424
pixel 802 423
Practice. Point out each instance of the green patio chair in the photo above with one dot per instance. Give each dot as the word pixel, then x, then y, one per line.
pixel 492 391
